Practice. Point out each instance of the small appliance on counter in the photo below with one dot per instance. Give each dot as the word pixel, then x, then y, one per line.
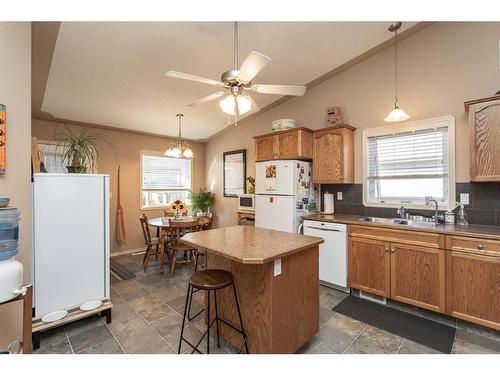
pixel 246 202
pixel 11 271
pixel 462 218
pixel 328 208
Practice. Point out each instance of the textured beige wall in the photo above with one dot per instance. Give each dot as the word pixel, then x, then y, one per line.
pixel 15 93
pixel 127 148
pixel 440 67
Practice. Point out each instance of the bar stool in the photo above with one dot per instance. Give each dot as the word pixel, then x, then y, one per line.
pixel 212 280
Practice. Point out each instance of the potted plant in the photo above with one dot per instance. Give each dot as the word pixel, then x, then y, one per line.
pixel 80 151
pixel 202 201
pixel 251 188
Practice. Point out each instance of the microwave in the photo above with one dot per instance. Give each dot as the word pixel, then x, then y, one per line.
pixel 246 202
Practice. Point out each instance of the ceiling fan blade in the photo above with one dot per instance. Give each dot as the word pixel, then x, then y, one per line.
pixel 279 89
pixel 207 99
pixel 252 65
pixel 190 77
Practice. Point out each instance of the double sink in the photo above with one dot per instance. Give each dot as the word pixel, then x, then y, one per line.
pixel 398 221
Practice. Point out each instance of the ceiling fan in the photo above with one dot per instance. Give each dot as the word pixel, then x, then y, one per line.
pixel 237 83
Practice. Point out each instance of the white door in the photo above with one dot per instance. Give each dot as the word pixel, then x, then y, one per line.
pixel 275 212
pixel 276 177
pixel 70 241
pixel 332 253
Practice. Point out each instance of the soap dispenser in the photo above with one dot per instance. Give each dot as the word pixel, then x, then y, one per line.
pixel 462 216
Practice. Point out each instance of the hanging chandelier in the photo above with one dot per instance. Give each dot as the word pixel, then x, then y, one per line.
pixel 397 114
pixel 179 149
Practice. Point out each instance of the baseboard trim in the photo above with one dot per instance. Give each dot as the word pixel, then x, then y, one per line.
pixel 126 252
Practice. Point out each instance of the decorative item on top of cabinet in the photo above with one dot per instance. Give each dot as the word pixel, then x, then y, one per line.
pixel 286 144
pixel 484 123
pixel 333 155
pixel 333 116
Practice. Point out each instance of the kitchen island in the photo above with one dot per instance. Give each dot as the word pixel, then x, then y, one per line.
pixel 277 280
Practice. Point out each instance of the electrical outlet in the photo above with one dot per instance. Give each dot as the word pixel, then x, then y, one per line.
pixel 464 198
pixel 339 195
pixel 277 267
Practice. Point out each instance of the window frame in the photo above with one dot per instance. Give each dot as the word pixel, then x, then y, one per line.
pixel 243 153
pixel 141 190
pixel 431 123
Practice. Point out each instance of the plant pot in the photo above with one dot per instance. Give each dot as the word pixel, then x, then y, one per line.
pixel 76 169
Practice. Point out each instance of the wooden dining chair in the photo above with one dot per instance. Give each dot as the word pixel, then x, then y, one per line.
pixel 177 229
pixel 149 241
pixel 205 223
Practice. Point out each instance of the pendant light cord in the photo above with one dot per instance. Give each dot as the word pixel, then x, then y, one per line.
pixel 396 104
pixel 236 46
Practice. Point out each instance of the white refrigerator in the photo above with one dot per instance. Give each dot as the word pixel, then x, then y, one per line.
pixel 283 193
pixel 70 240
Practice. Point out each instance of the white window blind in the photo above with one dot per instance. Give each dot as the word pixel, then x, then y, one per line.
pixel 409 166
pixel 164 180
pixel 165 173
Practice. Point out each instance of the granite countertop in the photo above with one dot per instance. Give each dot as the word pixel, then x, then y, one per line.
pixel 478 231
pixel 250 245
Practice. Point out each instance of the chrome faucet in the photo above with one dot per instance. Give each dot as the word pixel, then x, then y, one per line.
pixel 429 200
pixel 402 212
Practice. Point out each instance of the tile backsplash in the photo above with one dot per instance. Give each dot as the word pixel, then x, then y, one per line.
pixel 483 208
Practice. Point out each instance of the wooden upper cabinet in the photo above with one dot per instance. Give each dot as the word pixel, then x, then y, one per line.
pixel 473 288
pixel 418 276
pixel 285 144
pixel 484 123
pixel 333 155
pixel 369 266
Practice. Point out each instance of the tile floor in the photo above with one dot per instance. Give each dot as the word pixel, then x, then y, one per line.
pixel 147 316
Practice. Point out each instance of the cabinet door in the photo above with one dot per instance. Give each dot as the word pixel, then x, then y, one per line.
pixel 288 145
pixel 484 120
pixel 473 288
pixel 369 266
pixel 418 276
pixel 328 157
pixel 265 148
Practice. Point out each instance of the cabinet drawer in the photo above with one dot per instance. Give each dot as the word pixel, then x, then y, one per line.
pixel 434 240
pixel 473 245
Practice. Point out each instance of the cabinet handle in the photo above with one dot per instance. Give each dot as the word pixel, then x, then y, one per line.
pixel 480 247
pixel 386 249
pixel 393 251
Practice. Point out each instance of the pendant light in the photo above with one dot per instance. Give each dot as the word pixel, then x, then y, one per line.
pixel 179 149
pixel 397 114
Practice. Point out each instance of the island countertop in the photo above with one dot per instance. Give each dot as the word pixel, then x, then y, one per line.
pixel 250 245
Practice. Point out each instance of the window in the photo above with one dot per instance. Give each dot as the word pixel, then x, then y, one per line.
pixel 234 182
pixel 163 180
pixel 405 163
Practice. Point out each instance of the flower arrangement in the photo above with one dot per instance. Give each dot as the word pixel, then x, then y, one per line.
pixel 177 207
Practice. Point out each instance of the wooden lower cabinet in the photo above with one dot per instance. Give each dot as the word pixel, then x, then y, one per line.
pixel 473 288
pixel 418 276
pixel 369 266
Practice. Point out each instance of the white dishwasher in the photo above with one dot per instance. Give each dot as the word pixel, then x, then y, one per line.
pixel 332 253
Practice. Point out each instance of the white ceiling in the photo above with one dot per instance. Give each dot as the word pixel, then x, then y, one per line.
pixel 112 73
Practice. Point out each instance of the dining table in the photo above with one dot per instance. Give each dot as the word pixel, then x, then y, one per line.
pixel 162 223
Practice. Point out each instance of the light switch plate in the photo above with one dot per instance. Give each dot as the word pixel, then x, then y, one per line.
pixel 339 195
pixel 277 267
pixel 464 198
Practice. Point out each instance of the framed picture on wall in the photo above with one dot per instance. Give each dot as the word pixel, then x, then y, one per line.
pixel 235 166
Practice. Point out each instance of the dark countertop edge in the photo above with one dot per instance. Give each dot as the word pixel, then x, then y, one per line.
pixel 475 231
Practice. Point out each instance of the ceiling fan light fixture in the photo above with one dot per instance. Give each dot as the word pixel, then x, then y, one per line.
pixel 228 104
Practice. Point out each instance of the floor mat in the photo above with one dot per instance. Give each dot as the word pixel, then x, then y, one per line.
pixel 423 331
pixel 119 272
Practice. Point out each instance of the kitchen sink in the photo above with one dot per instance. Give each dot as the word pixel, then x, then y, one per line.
pixel 398 221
